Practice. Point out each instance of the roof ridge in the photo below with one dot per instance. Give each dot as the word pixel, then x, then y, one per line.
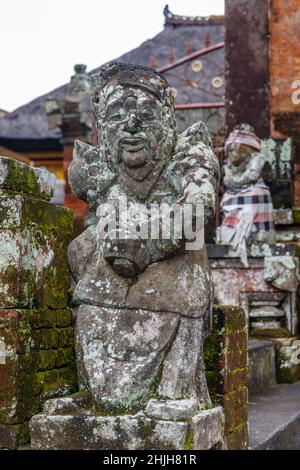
pixel 177 20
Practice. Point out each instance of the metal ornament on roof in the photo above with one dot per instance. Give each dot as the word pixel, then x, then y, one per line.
pixel 217 82
pixel 197 80
pixel 197 66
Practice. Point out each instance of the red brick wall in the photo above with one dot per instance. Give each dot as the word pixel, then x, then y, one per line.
pixel 226 361
pixel 284 56
pixel 284 69
pixel 41 365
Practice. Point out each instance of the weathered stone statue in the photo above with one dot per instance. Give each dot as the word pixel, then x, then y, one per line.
pixel 144 304
pixel 246 204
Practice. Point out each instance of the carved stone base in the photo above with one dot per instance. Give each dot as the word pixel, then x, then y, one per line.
pixel 84 428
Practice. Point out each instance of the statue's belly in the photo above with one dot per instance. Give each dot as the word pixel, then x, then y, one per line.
pixel 180 284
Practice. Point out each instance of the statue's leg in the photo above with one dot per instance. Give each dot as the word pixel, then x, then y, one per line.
pixel 183 373
pixel 120 353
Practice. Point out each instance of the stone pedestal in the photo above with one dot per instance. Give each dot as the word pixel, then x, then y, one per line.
pixel 68 424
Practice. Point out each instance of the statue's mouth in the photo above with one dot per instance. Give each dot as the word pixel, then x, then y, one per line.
pixel 133 144
pixel 134 153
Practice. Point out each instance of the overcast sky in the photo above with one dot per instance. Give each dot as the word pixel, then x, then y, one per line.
pixel 41 40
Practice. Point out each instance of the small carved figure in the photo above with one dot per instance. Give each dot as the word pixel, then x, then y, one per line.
pixel 246 204
pixel 144 304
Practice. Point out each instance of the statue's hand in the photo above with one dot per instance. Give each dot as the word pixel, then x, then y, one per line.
pixel 127 257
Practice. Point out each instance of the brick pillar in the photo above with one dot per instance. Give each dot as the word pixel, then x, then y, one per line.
pixel 246 65
pixel 226 361
pixel 37 359
pixel 284 58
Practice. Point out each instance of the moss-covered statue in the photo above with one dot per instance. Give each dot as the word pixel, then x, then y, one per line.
pixel 144 303
pixel 246 205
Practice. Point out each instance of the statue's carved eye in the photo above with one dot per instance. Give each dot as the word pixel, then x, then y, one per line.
pixel 146 115
pixel 116 117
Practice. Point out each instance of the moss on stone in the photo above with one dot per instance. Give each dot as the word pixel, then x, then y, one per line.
pixel 189 439
pixel 212 351
pixel 21 178
pixel 296 215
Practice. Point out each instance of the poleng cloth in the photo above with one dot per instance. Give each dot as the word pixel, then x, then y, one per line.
pixel 245 211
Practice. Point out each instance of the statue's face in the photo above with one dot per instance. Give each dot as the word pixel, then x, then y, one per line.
pixel 238 153
pixel 134 127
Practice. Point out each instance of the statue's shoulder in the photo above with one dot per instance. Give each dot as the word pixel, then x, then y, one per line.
pixel 193 136
pixel 89 174
pixel 194 150
pixel 81 249
pixel 257 161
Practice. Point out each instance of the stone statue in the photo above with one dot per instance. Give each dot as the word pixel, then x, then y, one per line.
pixel 246 204
pixel 144 304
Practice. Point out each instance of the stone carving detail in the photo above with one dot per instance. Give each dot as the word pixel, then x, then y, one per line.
pixel 246 204
pixel 144 305
pixel 282 272
pixel 77 102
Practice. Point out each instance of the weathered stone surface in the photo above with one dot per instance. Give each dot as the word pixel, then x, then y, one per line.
pixel 18 177
pixel 144 302
pixel 151 293
pixel 65 405
pixel 87 430
pixel 249 287
pixel 122 353
pixel 279 158
pixel 254 251
pixel 12 436
pixel 287 359
pixel 207 427
pixel 184 377
pixel 172 409
pixel 37 361
pixel 18 211
pixel 226 354
pixel 283 217
pixel 33 244
pixel 262 371
pixel 282 272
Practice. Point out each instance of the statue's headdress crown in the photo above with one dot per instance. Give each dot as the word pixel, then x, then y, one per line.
pixel 131 75
pixel 244 134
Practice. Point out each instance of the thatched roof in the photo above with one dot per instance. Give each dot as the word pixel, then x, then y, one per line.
pixel 28 125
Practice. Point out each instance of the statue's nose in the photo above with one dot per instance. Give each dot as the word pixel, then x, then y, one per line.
pixel 132 124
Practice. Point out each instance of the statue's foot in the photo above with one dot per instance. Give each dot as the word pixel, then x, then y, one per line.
pixel 173 410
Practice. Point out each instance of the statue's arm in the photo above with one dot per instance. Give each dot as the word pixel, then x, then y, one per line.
pixel 250 176
pixel 194 173
pixel 89 174
pixel 80 252
pixel 200 180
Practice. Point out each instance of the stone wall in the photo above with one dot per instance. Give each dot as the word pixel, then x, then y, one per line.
pixel 226 360
pixel 36 333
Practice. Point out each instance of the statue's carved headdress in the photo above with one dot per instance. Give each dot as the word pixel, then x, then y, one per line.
pixel 244 134
pixel 118 74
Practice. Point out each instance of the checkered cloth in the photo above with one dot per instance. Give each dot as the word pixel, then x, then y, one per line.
pixel 247 211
